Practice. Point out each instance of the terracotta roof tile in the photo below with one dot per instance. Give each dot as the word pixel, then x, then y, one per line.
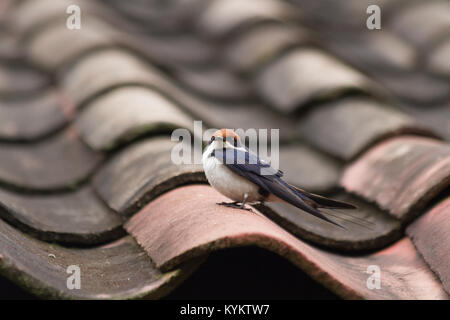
pixel 401 175
pixel 174 229
pixel 122 114
pixel 294 79
pixel 437 60
pixel 347 127
pixel 60 162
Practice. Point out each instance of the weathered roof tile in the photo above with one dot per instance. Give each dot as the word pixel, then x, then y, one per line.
pixel 221 17
pixel 29 16
pixel 180 49
pixel 248 51
pixel 125 113
pixel 309 169
pixel 76 217
pixel 160 17
pixel 433 17
pixel 416 87
pixel 34 117
pixel 69 44
pixel 21 80
pixel 401 175
pixel 367 51
pixel 101 71
pixel 118 270
pixel 174 229
pixel 59 162
pixel 141 172
pixel 438 61
pixel 431 236
pixel 215 83
pixel 366 228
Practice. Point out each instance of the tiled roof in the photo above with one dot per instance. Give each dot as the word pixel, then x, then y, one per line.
pixel 86 117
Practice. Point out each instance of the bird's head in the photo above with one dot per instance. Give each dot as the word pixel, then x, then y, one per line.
pixel 224 138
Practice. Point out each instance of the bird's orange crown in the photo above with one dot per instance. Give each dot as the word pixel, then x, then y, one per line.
pixel 226 133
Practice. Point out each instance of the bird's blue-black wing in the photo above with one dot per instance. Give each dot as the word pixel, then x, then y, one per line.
pixel 251 167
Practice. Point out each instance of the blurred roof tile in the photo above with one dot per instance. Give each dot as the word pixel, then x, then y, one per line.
pixel 366 228
pixel 434 21
pixel 221 17
pixel 430 234
pixel 20 80
pixel 438 60
pixel 174 229
pixel 69 44
pixel 101 71
pixel 30 15
pixel 215 83
pixel 118 270
pixel 306 168
pixel 367 51
pixel 180 49
pixel 159 16
pixel 141 172
pixel 248 51
pixel 436 117
pixel 76 217
pixel 139 68
pixel 295 79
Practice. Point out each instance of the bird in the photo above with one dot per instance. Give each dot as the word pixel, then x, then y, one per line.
pixel 240 175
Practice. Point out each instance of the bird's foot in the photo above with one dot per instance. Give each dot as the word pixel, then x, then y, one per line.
pixel 234 205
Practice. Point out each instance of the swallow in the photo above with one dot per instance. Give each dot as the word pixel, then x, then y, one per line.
pixel 240 175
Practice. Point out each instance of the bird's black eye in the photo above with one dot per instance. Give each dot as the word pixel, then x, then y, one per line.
pixel 212 139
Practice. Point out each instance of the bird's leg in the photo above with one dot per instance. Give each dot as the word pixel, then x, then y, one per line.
pixel 244 201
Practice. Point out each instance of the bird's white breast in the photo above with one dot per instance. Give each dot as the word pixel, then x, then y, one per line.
pixel 229 183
